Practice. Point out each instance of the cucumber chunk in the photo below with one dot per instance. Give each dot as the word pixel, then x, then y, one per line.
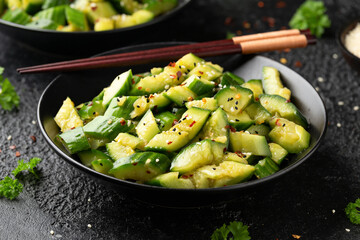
pixel 180 95
pixel 165 120
pixel 294 138
pixel 99 9
pixel 92 109
pixel 255 85
pixel 261 129
pixel 272 83
pixel 246 142
pixel 16 15
pixel 279 106
pixel 76 19
pixel 140 166
pixel 121 107
pixel 53 3
pixel 129 140
pixel 197 155
pixel 171 180
pixel 88 156
pixel 258 113
pixel 240 121
pixel 207 71
pixel 106 127
pixel 198 85
pixel 116 150
pixel 205 103
pixel 67 117
pixel 234 99
pixel 154 101
pixel 43 24
pixel 229 79
pixel 119 87
pixel 237 157
pixel 158 7
pixel 74 140
pixel 55 14
pixel 147 127
pixel 102 165
pixel 278 153
pixel 265 168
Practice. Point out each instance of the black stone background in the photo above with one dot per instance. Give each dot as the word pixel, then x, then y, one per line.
pixel 300 203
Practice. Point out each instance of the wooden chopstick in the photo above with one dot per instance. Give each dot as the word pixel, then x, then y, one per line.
pixel 243 44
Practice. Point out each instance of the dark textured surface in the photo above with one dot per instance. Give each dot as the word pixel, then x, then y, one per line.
pixel 300 203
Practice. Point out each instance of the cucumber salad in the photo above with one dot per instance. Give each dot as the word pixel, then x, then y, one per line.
pixel 83 15
pixel 187 125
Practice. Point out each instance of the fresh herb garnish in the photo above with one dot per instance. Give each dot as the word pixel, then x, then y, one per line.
pixel 10 188
pixel 8 96
pixel 29 166
pixel 352 211
pixel 311 15
pixel 238 230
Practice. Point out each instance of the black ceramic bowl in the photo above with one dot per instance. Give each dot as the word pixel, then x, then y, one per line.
pixel 83 43
pixel 81 86
pixel 353 60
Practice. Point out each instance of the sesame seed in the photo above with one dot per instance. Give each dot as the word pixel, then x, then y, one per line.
pixel 346 229
pixel 338 124
pixel 33 122
pixel 9 137
pixel 166 86
pixel 340 103
pixel 333 211
pixel 89 225
pixel 356 108
pixel 52 232
pixel 320 79
pixel 89 200
pixel 335 56
pixel 157 160
pixel 317 89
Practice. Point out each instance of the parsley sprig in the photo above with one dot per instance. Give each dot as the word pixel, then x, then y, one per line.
pixel 352 211
pixel 238 230
pixel 8 96
pixel 311 15
pixel 11 188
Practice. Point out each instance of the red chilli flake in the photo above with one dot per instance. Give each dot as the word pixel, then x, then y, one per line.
pixel 122 122
pixel 224 150
pixel 170 142
pixel 72 128
pixel 280 4
pixel 12 147
pixel 33 138
pixel 148 172
pixel 172 64
pixel 260 4
pixel 298 64
pixel 175 122
pixel 232 129
pixel 185 176
pixel 132 81
pixel 172 76
pixel 228 20
pixel 139 88
pixel 192 124
pixel 90 104
pixel 94 7
pixel 201 72
pixel 0 151
pixel 246 25
pixel 288 100
pixel 240 154
pixel 134 164
pixel 17 154
pixel 277 122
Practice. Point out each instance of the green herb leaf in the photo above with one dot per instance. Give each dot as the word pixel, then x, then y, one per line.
pixel 10 188
pixel 352 211
pixel 311 15
pixel 230 35
pixel 29 166
pixel 8 96
pixel 238 229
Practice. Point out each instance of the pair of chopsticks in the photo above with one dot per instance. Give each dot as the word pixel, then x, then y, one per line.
pixel 247 44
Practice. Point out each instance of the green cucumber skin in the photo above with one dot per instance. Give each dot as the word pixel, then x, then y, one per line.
pixel 227 99
pixel 17 15
pixel 257 112
pixel 120 86
pixel 102 165
pixel 240 121
pixel 199 86
pixel 216 126
pixel 122 111
pixel 261 129
pixel 245 142
pixel 158 7
pixel 229 79
pixel 87 156
pixel 74 140
pixel 165 120
pixel 55 14
pixel 265 167
pixel 277 104
pixel 146 164
pixel 147 127
pixel 106 127
pixel 278 153
pixel 76 18
pixel 53 3
pixel 180 95
pixel 43 24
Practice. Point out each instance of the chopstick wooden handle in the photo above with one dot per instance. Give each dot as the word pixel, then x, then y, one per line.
pixel 267 35
pixel 272 44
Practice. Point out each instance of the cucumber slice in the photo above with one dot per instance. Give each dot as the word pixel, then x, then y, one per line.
pixel 278 153
pixel 126 6
pixel 99 9
pixel 43 24
pixel 265 168
pixel 55 14
pixel 102 165
pixel 90 110
pixel 129 140
pixel 272 83
pixel 96 143
pixel 119 87
pixel 116 150
pixel 229 79
pixel 237 157
pixel 159 7
pixel 141 166
pixel 153 101
pixel 104 24
pixel 205 103
pixel 178 112
pixel 88 156
pixel 206 71
pixel 246 142
pixel 227 173
pixel 255 85
pixel 74 140
pixel 178 136
pixel 106 127
pixel 189 61
pixel 16 15
pixel 215 128
pixel 76 19
pixel 199 86
pixel 53 3
pixel 279 106
pixel 142 16
pixel 121 107
pixel 195 156
pixel 180 95
pixel 240 121
pixel 257 112
pixel 261 129
pixel 67 117
pixel 294 138
pixel 165 120
pixel 147 127
pixel 234 99
pixel 171 180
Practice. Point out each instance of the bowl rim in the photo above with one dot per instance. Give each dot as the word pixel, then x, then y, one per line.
pixel 181 5
pixel 128 184
pixel 341 31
